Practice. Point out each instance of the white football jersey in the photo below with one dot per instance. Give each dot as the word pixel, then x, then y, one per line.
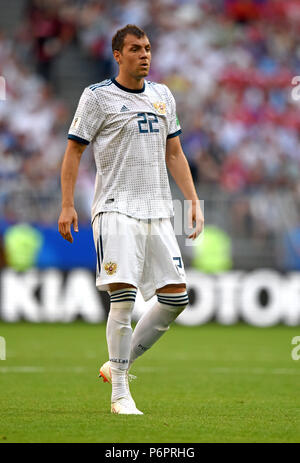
pixel 128 130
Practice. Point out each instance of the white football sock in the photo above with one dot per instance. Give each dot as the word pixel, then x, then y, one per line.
pixel 118 335
pixel 156 321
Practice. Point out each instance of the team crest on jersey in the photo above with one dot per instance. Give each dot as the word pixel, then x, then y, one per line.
pixel 160 106
pixel 110 268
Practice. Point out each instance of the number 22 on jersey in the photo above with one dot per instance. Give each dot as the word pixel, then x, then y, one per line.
pixel 147 123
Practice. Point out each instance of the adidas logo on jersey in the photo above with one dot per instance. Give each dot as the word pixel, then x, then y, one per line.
pixel 124 108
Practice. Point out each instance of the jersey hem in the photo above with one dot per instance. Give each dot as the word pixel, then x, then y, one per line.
pixel 78 139
pixel 130 215
pixel 103 285
pixel 171 135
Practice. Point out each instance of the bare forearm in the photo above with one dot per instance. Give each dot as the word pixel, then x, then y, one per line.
pixel 69 173
pixel 180 171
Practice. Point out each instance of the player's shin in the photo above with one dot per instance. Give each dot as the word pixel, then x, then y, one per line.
pixel 156 321
pixel 118 335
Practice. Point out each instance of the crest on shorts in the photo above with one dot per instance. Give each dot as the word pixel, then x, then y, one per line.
pixel 110 268
pixel 160 106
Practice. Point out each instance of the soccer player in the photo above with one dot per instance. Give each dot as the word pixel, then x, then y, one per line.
pixel 133 127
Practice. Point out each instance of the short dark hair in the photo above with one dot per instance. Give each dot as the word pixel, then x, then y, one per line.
pixel 118 38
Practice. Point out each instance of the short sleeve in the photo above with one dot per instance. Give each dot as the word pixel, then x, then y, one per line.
pixel 173 122
pixel 87 120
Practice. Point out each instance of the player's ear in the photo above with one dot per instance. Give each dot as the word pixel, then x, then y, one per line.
pixel 117 56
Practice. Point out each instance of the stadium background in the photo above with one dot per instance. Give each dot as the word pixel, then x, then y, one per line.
pixel 230 66
pixel 233 376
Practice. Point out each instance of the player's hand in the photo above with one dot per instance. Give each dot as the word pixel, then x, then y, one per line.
pixel 68 216
pixel 195 216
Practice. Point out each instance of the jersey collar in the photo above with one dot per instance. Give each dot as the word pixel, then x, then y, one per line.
pixel 128 89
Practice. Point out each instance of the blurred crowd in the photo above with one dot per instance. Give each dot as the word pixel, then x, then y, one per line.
pixel 229 63
pixel 30 140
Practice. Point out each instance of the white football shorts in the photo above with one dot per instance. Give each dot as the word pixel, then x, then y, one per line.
pixel 140 252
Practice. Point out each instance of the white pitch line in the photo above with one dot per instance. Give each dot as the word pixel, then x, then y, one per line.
pixel 257 371
pixel 31 369
pixel 225 370
pixel 149 369
pixel 22 370
pixel 218 370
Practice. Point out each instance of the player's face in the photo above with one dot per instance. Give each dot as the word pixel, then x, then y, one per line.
pixel 135 57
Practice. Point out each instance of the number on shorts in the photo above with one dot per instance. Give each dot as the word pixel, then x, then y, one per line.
pixel 179 265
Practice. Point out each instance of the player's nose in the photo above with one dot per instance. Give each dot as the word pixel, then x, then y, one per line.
pixel 144 54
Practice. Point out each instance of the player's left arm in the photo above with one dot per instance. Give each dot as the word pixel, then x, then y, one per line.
pixel 180 171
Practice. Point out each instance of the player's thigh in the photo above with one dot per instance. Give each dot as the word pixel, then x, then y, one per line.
pixel 172 288
pixel 116 286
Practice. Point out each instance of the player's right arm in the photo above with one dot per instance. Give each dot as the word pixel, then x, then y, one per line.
pixel 86 123
pixel 69 172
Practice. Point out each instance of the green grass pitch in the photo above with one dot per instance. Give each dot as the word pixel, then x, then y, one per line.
pixel 209 383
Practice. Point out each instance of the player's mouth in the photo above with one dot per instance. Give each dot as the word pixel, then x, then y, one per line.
pixel 144 65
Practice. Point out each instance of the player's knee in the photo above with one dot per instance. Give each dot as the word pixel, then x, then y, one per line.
pixel 121 316
pixel 125 330
pixel 174 303
pixel 121 305
pixel 120 320
pixel 171 305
